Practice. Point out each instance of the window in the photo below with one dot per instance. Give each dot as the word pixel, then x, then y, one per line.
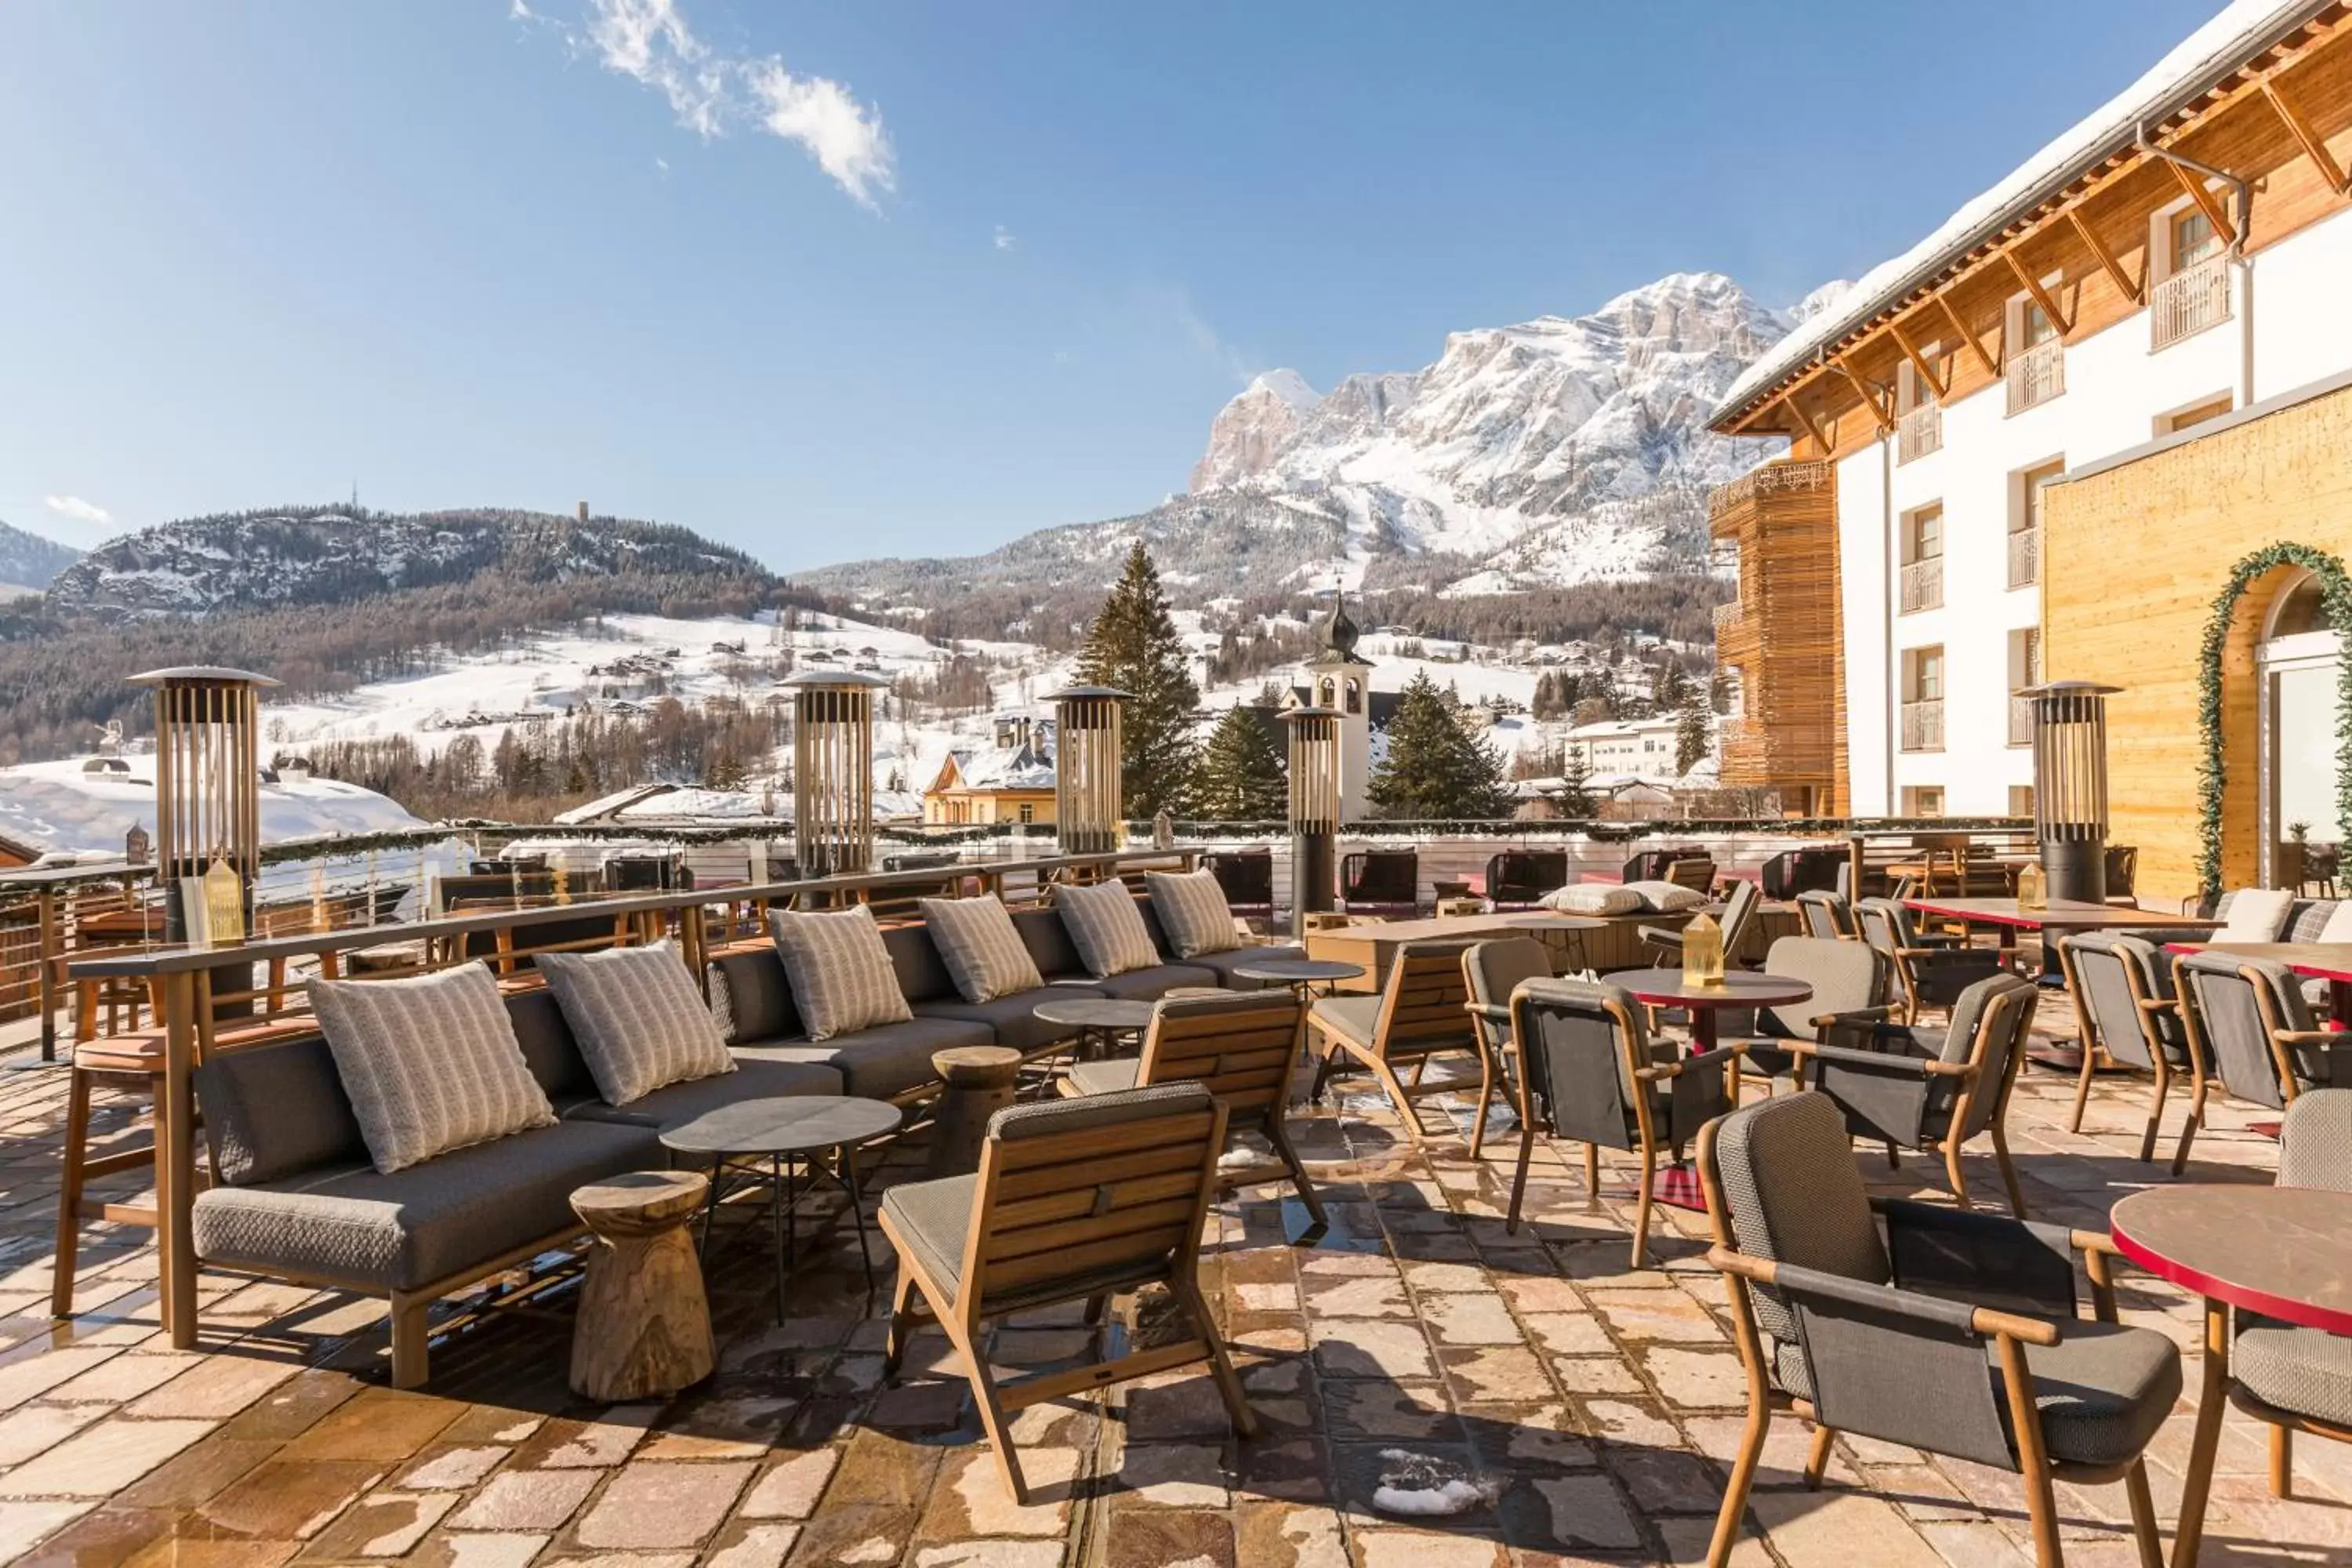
pixel 2193 276
pixel 2035 326
pixel 1923 699
pixel 2026 503
pixel 1028 812
pixel 1355 695
pixel 2192 239
pixel 2036 368
pixel 2024 670
pixel 1923 559
pixel 1919 422
pixel 2188 418
pixel 1923 800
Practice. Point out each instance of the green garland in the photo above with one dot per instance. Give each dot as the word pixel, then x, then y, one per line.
pixel 2213 770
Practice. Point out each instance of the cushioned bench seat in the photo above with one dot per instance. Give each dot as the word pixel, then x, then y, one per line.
pixel 752 1079
pixel 345 1224
pixel 873 1064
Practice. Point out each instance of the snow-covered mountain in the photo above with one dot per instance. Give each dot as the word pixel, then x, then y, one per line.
pixel 1552 452
pixel 309 555
pixel 28 561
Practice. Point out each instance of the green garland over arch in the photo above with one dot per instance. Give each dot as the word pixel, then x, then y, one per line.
pixel 2212 773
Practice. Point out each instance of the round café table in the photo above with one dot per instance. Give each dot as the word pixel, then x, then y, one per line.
pixel 779 1132
pixel 1099 1020
pixel 1301 974
pixel 2284 1252
pixel 1678 1184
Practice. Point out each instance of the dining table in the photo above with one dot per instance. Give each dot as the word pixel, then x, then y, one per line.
pixel 1677 1185
pixel 2284 1252
pixel 1372 945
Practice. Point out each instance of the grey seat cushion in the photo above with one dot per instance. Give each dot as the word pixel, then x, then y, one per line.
pixel 1105 1077
pixel 1012 1019
pixel 1225 962
pixel 2103 1390
pixel 752 1079
pixel 876 1064
pixel 2307 1371
pixel 348 1225
pixel 752 998
pixel 932 1218
pixel 1150 985
pixel 1357 1017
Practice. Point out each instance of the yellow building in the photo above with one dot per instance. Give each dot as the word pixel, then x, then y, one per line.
pixel 1012 781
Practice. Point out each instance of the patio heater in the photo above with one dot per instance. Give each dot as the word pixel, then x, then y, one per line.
pixel 1086 751
pixel 207 792
pixel 832 771
pixel 1314 813
pixel 2070 786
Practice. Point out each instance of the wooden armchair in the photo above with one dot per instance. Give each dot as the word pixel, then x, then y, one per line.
pixel 1242 1048
pixel 2251 1031
pixel 1738 913
pixel 1826 915
pixel 1074 1200
pixel 2123 993
pixel 1417 1015
pixel 1892 1339
pixel 1930 971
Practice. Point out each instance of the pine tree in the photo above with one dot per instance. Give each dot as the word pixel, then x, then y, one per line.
pixel 1694 731
pixel 1243 777
pixel 1133 646
pixel 1575 791
pixel 1436 769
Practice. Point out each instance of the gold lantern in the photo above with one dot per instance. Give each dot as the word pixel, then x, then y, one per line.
pixel 1088 802
pixel 1314 813
pixel 207 795
pixel 832 770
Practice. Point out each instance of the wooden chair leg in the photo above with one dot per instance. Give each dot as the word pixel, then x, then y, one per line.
pixel 1817 1458
pixel 1593 1173
pixel 410 1340
pixel 2155 1115
pixel 1735 1495
pixel 2189 1130
pixel 1278 1134
pixel 1098 1308
pixel 74 1156
pixel 1406 1112
pixel 1221 1366
pixel 2282 1462
pixel 991 1410
pixel 2007 1170
pixel 1519 1177
pixel 2145 1534
pixel 1894 1157
pixel 2083 1084
pixel 1485 1098
pixel 902 1322
pixel 1642 1209
pixel 1952 1173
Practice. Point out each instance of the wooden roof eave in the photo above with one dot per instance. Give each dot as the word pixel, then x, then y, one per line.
pixel 2234 87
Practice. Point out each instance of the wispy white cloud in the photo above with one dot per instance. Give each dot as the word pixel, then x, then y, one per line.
pixel 1205 339
pixel 712 93
pixel 79 510
pixel 1004 240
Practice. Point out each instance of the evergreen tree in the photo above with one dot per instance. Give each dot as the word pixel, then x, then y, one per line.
pixel 1694 731
pixel 1243 777
pixel 1670 688
pixel 1133 646
pixel 1576 796
pixel 1436 769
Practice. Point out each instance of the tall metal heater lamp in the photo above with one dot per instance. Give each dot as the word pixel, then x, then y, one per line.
pixel 208 789
pixel 1087 805
pixel 832 771
pixel 2070 786
pixel 1314 813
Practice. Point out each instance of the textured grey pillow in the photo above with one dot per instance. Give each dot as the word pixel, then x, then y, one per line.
pixel 842 976
pixel 1192 911
pixel 640 1022
pixel 430 1064
pixel 984 954
pixel 1107 929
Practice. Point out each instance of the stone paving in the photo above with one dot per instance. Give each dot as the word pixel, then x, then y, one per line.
pixel 1593 1406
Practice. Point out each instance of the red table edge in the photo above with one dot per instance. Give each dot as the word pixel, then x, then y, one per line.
pixel 1730 996
pixel 2285 1309
pixel 2311 970
pixel 2024 920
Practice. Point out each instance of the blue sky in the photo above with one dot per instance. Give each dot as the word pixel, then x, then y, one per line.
pixel 827 281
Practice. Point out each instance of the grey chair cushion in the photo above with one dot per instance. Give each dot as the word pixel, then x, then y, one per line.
pixel 1150 985
pixel 1357 1017
pixel 752 1079
pixel 2306 1371
pixel 878 1064
pixel 1011 1019
pixel 1493 970
pixel 2315 1140
pixel 932 1218
pixel 272 1111
pixel 1846 977
pixel 1223 964
pixel 750 998
pixel 348 1224
pixel 1105 1077
pixel 2103 1390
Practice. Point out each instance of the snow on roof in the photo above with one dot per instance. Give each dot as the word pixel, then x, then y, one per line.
pixel 694 803
pixel 2226 41
pixel 606 806
pixel 57 806
pixel 1003 767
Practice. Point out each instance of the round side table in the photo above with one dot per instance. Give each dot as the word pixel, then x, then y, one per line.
pixel 977 1081
pixel 644 1324
pixel 1097 1020
pixel 1678 1184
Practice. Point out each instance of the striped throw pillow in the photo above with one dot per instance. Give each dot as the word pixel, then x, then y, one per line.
pixel 430 1064
pixel 640 1021
pixel 983 953
pixel 1107 929
pixel 1192 911
pixel 842 980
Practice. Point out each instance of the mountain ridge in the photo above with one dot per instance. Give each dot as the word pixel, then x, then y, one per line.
pixel 32 561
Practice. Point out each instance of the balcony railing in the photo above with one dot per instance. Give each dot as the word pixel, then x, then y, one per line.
pixel 2191 299
pixel 2021 721
pixel 2025 557
pixel 1922 584
pixel 1770 478
pixel 1919 432
pixel 1923 725
pixel 2035 375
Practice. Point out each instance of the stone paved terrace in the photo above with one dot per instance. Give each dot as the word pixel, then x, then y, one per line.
pixel 1601 1402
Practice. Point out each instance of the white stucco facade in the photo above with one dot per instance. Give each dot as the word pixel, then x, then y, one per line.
pixel 2290 324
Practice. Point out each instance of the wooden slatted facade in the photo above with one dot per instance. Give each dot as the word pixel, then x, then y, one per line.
pixel 1781 635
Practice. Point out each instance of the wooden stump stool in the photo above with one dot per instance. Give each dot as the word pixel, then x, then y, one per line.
pixel 980 1082
pixel 643 1327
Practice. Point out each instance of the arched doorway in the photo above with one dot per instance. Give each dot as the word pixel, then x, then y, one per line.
pixel 2298 661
